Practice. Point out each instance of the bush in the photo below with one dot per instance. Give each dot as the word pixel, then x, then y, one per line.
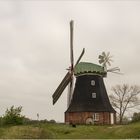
pixel 1 121
pixel 52 121
pixel 136 117
pixel 13 116
pixel 125 120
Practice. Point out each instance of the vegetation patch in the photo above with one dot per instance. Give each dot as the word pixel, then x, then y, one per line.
pixel 62 131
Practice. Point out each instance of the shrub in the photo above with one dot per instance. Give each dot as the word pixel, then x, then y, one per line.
pixel 136 117
pixel 52 121
pixel 13 116
pixel 1 121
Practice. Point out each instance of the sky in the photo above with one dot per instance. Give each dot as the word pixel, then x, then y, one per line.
pixel 35 43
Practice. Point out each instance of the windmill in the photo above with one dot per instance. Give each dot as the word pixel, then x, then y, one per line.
pixel 88 103
pixel 68 79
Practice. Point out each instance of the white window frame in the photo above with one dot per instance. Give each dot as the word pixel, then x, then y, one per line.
pixel 93 82
pixel 93 95
pixel 96 116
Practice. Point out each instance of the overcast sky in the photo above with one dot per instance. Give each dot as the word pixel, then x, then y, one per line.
pixel 34 48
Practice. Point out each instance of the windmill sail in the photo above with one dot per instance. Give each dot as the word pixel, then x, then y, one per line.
pixel 83 51
pixel 68 79
pixel 65 82
pixel 71 43
pixel 70 91
pixel 70 86
pixel 61 87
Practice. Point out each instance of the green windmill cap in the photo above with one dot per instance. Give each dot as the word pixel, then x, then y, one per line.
pixel 83 68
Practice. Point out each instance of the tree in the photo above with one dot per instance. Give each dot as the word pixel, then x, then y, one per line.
pixel 124 97
pixel 13 116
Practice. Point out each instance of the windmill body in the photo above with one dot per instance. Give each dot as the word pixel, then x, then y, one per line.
pixel 90 102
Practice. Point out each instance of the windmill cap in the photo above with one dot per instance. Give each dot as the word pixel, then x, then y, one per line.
pixel 84 68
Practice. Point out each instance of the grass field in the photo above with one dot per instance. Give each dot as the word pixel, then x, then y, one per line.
pixel 61 131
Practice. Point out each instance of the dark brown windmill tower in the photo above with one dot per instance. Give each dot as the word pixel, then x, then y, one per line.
pixel 89 102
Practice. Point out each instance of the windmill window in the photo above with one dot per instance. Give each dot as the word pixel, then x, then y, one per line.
pixel 93 95
pixel 92 82
pixel 96 116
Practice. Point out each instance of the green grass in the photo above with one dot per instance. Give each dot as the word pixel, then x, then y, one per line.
pixel 61 131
